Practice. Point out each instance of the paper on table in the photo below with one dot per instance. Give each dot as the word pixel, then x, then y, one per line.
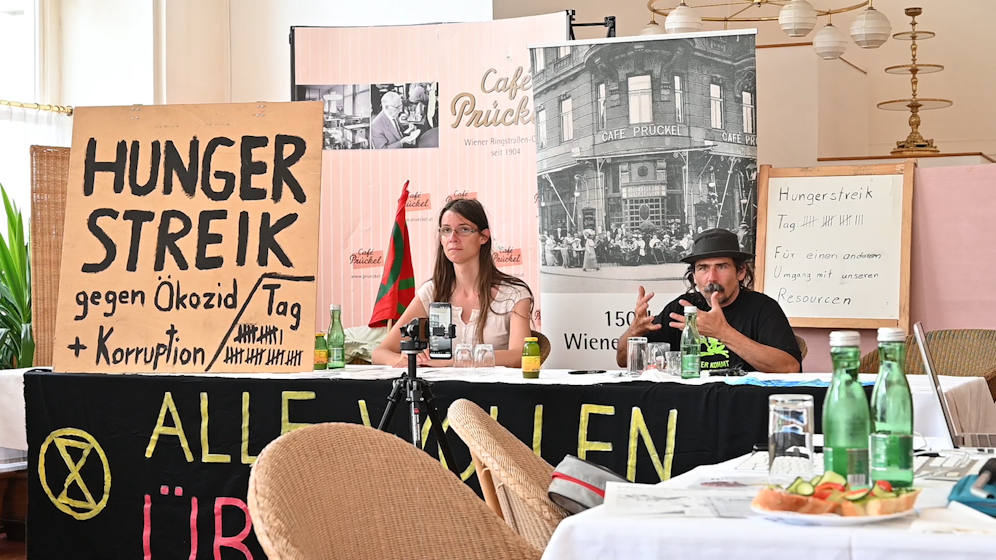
pixel 956 518
pixel 645 499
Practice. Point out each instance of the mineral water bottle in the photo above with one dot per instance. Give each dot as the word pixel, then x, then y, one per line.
pixel 846 418
pixel 691 345
pixel 892 413
pixel 336 339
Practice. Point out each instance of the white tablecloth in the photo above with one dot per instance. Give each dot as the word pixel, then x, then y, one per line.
pixel 968 397
pixel 593 534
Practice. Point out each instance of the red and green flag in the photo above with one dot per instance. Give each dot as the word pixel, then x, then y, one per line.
pixel 397 288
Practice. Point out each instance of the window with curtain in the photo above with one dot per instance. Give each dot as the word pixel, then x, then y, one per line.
pixel 564 52
pixel 748 113
pixel 566 120
pixel 640 110
pixel 679 100
pixel 539 61
pixel 541 126
pixel 602 119
pixel 716 104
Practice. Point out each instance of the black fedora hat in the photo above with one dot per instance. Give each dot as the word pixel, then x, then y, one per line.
pixel 714 243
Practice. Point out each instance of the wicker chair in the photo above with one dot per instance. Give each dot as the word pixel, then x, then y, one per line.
pixel 956 352
pixel 513 479
pixel 334 491
pixel 802 346
pixel 49 180
pixel 544 344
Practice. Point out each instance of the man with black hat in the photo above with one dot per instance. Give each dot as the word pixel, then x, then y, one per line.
pixel 743 328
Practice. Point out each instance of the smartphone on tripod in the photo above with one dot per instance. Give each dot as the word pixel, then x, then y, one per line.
pixel 440 319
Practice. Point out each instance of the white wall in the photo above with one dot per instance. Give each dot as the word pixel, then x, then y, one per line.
pixel 965 44
pixel 106 52
pixel 843 107
pixel 197 51
pixel 787 108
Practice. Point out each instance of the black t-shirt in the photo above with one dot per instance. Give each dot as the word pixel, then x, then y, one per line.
pixel 753 314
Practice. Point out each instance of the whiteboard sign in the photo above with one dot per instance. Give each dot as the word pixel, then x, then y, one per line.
pixel 835 247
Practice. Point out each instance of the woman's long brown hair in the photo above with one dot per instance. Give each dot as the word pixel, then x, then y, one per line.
pixel 444 277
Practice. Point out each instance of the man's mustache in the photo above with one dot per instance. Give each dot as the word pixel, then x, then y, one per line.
pixel 713 287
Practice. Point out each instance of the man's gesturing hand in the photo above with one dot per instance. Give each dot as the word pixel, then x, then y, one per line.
pixel 710 323
pixel 643 322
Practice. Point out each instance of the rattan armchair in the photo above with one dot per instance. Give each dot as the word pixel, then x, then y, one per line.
pixel 347 491
pixel 544 344
pixel 803 347
pixel 514 480
pixel 955 352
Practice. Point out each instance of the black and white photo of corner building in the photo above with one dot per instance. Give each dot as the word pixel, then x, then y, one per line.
pixel 641 144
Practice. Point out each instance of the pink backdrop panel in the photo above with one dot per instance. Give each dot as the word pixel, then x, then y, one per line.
pixel 953 258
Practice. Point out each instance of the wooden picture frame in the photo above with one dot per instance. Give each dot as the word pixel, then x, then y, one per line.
pixel 906 170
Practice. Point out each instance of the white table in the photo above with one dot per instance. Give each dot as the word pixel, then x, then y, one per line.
pixel 968 397
pixel 593 534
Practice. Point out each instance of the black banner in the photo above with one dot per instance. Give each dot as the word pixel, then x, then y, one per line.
pixel 127 466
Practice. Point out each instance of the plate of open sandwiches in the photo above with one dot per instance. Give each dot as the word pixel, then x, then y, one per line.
pixel 829 500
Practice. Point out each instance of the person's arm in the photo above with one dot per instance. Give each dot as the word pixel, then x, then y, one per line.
pixel 388 352
pixel 518 330
pixel 642 324
pixel 713 323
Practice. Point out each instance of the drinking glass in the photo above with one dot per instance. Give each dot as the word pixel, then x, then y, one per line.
pixel 484 359
pixel 790 438
pixel 673 363
pixel 463 359
pixel 636 357
pixel 657 355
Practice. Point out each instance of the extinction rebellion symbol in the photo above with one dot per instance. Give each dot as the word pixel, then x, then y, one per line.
pixel 75 448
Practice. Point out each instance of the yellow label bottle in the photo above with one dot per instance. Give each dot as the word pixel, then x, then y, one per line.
pixel 531 358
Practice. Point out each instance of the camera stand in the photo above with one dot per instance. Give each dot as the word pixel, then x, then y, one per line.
pixel 417 391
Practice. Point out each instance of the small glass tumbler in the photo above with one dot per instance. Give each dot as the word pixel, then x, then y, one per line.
pixel 657 355
pixel 484 360
pixel 790 438
pixel 463 359
pixel 673 363
pixel 636 357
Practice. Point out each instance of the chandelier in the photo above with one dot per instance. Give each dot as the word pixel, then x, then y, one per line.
pixel 797 18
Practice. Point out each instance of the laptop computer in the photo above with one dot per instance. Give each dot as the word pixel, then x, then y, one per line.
pixel 982 442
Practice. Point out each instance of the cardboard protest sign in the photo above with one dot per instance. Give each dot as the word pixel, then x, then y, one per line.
pixel 191 239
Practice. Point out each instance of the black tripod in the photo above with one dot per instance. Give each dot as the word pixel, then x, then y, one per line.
pixel 417 391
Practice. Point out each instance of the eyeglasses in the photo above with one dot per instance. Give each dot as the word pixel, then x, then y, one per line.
pixel 462 231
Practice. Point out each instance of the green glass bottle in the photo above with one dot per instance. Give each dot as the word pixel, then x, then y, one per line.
pixel 891 444
pixel 846 417
pixel 691 345
pixel 336 339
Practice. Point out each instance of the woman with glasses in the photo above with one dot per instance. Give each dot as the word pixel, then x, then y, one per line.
pixel 489 306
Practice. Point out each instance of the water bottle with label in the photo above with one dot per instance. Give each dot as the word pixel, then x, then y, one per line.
pixel 336 339
pixel 892 413
pixel 691 345
pixel 846 417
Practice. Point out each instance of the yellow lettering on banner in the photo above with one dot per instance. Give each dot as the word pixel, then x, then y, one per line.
pixel 584 446
pixel 638 426
pixel 285 398
pixel 364 415
pixel 538 430
pixel 206 455
pixel 162 429
pixel 672 427
pixel 247 459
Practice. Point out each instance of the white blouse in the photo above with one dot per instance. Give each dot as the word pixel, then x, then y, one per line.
pixel 498 323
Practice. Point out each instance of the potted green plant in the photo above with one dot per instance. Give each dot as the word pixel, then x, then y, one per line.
pixel 17 344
